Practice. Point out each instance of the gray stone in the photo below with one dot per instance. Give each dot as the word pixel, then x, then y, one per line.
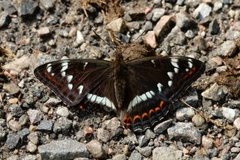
pixel 23 133
pixel 198 120
pixel 11 87
pixel 12 141
pixel 119 157
pixel 103 135
pixel 217 6
pixel 185 131
pixel 34 116
pixel 190 34
pixel 143 140
pixel 4 19
pixel 148 26
pixel 229 113
pixel 3 133
pixel 184 21
pixel 168 153
pixel 63 149
pixel 161 127
pixel 202 11
pixel 135 155
pixel 14 125
pixel 29 157
pixel 43 31
pixel 95 148
pixel 27 7
pixel 33 137
pixel 8 7
pixel 183 114
pixel 227 48
pixel 215 92
pixel 62 125
pixel 45 125
pixel 133 25
pixel 145 151
pixel 157 14
pixel 15 110
pixel 207 142
pixel 47 4
pixel 31 147
pixel 79 38
pixel 150 134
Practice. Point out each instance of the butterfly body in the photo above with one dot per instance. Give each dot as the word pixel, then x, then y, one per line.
pixel 141 91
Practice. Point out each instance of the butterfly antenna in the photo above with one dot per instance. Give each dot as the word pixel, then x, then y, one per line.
pixel 188 105
pixel 103 39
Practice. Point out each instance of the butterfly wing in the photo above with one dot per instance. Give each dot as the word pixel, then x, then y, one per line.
pixel 154 83
pixel 76 80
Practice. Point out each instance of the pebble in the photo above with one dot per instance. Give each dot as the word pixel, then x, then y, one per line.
pixel 161 127
pixel 14 125
pixel 16 110
pixel 62 124
pixel 183 114
pixel 143 140
pixel 23 133
pixel 79 38
pixel 133 25
pixel 35 116
pixel 207 142
pixel 227 48
pixel 116 25
pixel 198 120
pixel 23 119
pixel 150 39
pixel 63 149
pixel 145 151
pixel 95 148
pixel 12 141
pixel 215 92
pixel 202 11
pixel 157 13
pixel 45 125
pixel 11 88
pixel 168 153
pixel 62 111
pixel 185 131
pixel 43 31
pixel 31 147
pixel 33 137
pixel 3 133
pixel 103 135
pixel 162 25
pixel 148 26
pixel 135 155
pixel 214 27
pixel 217 6
pixel 119 157
pixel 47 4
pixel 237 123
pixel 4 19
pixel 27 7
pixel 150 134
pixel 190 34
pixel 184 21
pixel 229 113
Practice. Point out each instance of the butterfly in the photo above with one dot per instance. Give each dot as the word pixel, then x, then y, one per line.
pixel 141 91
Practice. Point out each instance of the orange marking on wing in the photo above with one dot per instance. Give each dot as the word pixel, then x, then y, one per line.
pixel 157 109
pixel 135 118
pixel 127 121
pixel 145 115
pixel 150 112
pixel 161 104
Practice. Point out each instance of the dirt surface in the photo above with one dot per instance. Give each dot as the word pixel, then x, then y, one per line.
pixel 35 124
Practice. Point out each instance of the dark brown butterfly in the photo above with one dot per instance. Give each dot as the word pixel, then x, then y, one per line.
pixel 141 91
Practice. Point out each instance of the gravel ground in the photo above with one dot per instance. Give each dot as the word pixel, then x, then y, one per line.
pixel 35 124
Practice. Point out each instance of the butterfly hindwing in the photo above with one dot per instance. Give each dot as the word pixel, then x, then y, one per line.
pixel 73 80
pixel 154 83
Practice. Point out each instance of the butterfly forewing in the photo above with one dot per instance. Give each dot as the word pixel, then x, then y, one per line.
pixel 73 80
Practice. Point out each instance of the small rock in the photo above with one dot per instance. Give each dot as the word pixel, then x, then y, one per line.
pixel 52 102
pixel 15 110
pixel 4 19
pixel 79 38
pixel 113 126
pixel 149 133
pixel 31 147
pixel 119 157
pixel 166 23
pixel 207 142
pixel 23 133
pixel 237 123
pixel 103 135
pixel 62 111
pixel 229 113
pixel 11 88
pixel 150 39
pixel 43 31
pixel 12 141
pixel 190 34
pixel 88 132
pixel 116 25
pixel 27 7
pixel 13 157
pixel 157 14
pixel 183 114
pixel 62 125
pixel 215 92
pixel 24 119
pixel 198 120
pixel 47 4
pixel 133 25
pixel 161 127
pixel 34 116
pixel 45 125
pixel 135 155
pixel 227 48
pixel 95 148
pixel 234 32
pixel 184 21
pixel 214 27
pixel 185 131
pixel 33 137
pixel 148 26
pixel 29 157
pixel 63 149
pixel 145 151
pixel 217 6
pixel 143 140
pixel 202 11
pixel 168 153
pixel 14 125
pixel 3 133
